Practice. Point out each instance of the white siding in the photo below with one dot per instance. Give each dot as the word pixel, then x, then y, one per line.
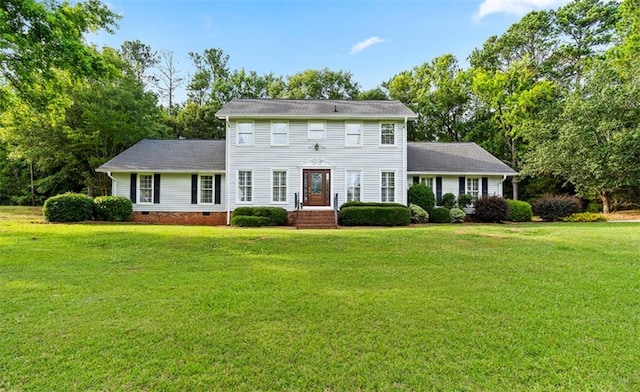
pixel 261 158
pixel 175 193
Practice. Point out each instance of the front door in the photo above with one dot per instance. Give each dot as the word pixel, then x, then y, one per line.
pixel 316 186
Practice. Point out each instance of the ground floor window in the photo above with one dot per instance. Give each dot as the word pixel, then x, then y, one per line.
pixel 428 181
pixel 146 189
pixel 279 186
pixel 388 187
pixel 353 185
pixel 245 186
pixel 206 189
pixel 473 187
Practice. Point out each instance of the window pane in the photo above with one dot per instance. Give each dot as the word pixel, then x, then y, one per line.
pixel 146 189
pixel 279 138
pixel 206 189
pixel 353 134
pixel 245 133
pixel 279 185
pixel 387 132
pixel 244 185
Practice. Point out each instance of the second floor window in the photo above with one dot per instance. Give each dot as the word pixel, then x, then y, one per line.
pixel 316 130
pixel 244 133
pixel 279 133
pixel 353 134
pixel 387 134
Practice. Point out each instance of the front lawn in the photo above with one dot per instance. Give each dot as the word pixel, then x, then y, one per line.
pixel 451 307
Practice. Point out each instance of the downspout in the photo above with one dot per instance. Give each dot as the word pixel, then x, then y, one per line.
pixel 404 164
pixel 226 169
pixel 114 184
pixel 504 178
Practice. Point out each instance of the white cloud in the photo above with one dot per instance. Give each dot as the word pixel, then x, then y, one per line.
pixel 517 7
pixel 362 45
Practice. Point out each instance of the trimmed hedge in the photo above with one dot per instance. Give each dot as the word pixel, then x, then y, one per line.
pixel 275 216
pixel 457 215
pixel 369 204
pixel 113 208
pixel 448 200
pixel 464 201
pixel 585 217
pixel 250 221
pixel 492 209
pixel 375 216
pixel 554 208
pixel 519 211
pixel 68 207
pixel 440 215
pixel 423 196
pixel 418 214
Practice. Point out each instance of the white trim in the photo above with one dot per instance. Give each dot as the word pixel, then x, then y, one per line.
pixel 253 133
pixel 361 123
pixel 286 123
pixel 286 185
pixel 160 171
pixel 324 129
pixel 237 185
pixel 395 134
pixel 138 188
pixel 318 116
pixel 442 174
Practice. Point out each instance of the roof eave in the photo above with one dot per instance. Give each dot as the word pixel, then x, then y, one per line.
pixel 150 170
pixel 485 173
pixel 315 116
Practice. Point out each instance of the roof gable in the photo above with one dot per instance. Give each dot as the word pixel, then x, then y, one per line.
pixel 308 108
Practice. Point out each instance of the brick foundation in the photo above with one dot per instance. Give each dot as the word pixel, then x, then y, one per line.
pixel 182 218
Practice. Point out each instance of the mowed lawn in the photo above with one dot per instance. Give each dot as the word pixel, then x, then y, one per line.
pixel 438 307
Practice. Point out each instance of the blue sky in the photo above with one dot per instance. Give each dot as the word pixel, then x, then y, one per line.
pixel 372 39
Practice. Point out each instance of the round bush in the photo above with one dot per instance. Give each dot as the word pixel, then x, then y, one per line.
pixel 68 207
pixel 113 208
pixel 422 196
pixel 457 215
pixel 418 214
pixel 375 216
pixel 519 211
pixel 554 208
pixel 448 200
pixel 464 201
pixel 440 215
pixel 492 209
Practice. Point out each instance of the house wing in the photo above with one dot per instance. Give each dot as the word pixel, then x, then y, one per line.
pixel 454 158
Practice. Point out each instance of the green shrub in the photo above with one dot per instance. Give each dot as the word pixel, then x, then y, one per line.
pixel 464 201
pixel 418 214
pixel 68 207
pixel 369 204
pixel 492 209
pixel 375 216
pixel 423 196
pixel 440 215
pixel 250 221
pixel 519 211
pixel 457 215
pixel 276 216
pixel 448 200
pixel 594 207
pixel 554 208
pixel 113 208
pixel 585 217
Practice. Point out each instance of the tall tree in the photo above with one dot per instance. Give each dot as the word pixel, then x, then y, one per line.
pixel 38 37
pixel 322 84
pixel 140 59
pixel 168 79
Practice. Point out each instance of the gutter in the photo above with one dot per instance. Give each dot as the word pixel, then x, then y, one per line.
pixel 114 184
pixel 226 167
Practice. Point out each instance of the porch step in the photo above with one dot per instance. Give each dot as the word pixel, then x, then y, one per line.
pixel 316 220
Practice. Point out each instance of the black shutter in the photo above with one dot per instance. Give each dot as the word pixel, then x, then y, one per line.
pixel 416 180
pixel 218 190
pixel 461 186
pixel 156 189
pixel 438 190
pixel 485 186
pixel 132 193
pixel 194 189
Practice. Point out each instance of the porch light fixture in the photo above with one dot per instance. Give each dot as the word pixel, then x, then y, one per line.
pixel 317 147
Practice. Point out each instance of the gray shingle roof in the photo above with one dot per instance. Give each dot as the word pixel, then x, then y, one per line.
pixel 169 156
pixel 453 158
pixel 309 108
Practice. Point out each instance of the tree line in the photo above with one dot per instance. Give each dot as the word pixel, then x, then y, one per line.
pixel 555 96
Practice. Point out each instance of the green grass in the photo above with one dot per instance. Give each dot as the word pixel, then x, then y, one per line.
pixel 439 307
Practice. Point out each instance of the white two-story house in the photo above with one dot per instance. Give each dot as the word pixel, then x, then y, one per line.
pixel 296 154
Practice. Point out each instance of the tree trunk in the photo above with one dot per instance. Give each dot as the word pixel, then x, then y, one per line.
pixel 606 202
pixel 33 191
pixel 514 184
